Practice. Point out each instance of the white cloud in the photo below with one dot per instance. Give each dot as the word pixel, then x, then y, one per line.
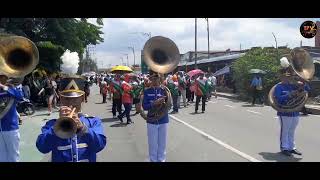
pixel 224 34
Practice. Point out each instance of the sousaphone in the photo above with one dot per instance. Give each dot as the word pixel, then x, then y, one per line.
pixel 162 56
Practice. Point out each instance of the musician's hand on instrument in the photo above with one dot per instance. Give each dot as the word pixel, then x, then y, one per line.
pixel 159 101
pixel 76 118
pixel 65 111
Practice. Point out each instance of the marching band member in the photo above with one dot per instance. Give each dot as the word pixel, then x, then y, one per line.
pixel 9 129
pixel 172 84
pixel 182 88
pixel 82 146
pixel 115 88
pixel 288 120
pixel 201 88
pixel 157 130
pixel 136 91
pixel 127 100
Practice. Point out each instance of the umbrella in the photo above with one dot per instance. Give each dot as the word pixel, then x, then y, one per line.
pixel 257 71
pixel 195 72
pixel 121 68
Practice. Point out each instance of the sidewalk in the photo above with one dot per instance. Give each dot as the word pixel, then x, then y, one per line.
pixel 312 108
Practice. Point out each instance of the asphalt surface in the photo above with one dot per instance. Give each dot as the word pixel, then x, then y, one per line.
pixel 229 131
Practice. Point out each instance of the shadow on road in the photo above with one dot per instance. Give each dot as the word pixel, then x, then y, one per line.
pixel 101 103
pixel 119 125
pixel 278 157
pixel 193 113
pixel 109 120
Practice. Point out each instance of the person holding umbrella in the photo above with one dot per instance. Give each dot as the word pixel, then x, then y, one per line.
pixel 256 85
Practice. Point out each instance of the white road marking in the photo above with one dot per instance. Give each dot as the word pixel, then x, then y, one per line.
pixel 234 150
pixel 228 106
pixel 212 102
pixel 254 112
pixel 222 98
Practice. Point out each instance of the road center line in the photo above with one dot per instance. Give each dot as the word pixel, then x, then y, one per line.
pixel 234 150
pixel 253 112
pixel 228 106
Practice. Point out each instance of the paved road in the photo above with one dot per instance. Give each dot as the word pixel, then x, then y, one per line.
pixel 229 131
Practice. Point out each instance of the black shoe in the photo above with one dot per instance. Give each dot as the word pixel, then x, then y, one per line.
pixel 296 152
pixel 120 118
pixel 196 112
pixel 202 112
pixel 129 122
pixel 286 152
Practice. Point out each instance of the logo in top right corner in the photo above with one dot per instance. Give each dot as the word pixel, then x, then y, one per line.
pixel 308 29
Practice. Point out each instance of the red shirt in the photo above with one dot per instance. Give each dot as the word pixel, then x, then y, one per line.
pixel 126 96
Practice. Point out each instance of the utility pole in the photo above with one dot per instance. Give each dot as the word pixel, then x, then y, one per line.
pixel 127 60
pixel 207 19
pixel 121 60
pixel 240 46
pixel 276 45
pixel 134 55
pixel 195 44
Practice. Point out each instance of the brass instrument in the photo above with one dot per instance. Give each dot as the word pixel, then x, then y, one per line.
pixel 65 127
pixel 302 69
pixel 161 56
pixel 18 56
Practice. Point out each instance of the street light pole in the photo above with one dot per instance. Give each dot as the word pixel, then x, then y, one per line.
pixel 195 44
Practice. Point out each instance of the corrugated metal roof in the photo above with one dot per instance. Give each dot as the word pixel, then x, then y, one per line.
pixel 215 59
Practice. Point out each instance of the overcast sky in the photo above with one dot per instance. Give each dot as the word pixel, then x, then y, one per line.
pixel 119 33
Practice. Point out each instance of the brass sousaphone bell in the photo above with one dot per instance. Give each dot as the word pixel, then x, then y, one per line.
pixel 18 57
pixel 162 56
pixel 302 68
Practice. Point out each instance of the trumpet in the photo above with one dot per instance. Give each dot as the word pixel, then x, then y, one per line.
pixel 66 127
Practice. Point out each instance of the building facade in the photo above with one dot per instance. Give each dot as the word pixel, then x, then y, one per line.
pixel 317 38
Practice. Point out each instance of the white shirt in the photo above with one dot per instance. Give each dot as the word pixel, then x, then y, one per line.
pixel 213 80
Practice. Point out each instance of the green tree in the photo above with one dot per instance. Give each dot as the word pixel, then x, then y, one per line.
pixel 50 56
pixel 69 33
pixel 257 58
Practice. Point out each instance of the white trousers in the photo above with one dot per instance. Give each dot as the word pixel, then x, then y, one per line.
pixel 287 129
pixel 184 98
pixel 9 146
pixel 157 140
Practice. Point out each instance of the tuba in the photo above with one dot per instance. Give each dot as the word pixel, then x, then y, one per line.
pixel 18 57
pixel 162 56
pixel 301 69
